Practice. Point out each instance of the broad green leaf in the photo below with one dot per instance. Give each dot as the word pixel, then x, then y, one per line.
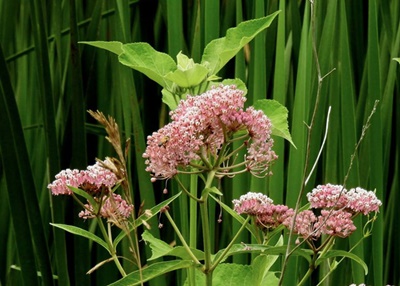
pixel 238 82
pixel 160 248
pixel 145 217
pixel 262 263
pixel 335 253
pixel 82 232
pixel 227 274
pixel 184 62
pixel 397 60
pixel 270 279
pixel 188 78
pixel 145 59
pixel 278 115
pixel 152 271
pixel 232 275
pixel 219 51
pixel 114 47
pixel 170 99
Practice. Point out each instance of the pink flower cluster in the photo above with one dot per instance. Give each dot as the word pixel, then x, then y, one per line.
pixel 96 181
pixel 268 215
pixel 93 180
pixel 201 125
pixel 112 207
pixel 337 210
pixel 355 200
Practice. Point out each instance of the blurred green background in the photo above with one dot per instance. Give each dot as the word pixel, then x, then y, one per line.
pixel 48 81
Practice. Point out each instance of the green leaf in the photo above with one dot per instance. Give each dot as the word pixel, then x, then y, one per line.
pixel 145 217
pixel 160 248
pixel 213 190
pixel 188 78
pixel 232 275
pixel 335 253
pixel 84 194
pixel 82 232
pixel 397 60
pixel 152 271
pixel 238 83
pixel 278 115
pixel 219 51
pixel 270 279
pixel 114 47
pixel 145 59
pixel 170 99
pixel 188 74
pixel 262 263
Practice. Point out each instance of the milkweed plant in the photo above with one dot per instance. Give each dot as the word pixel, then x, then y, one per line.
pixel 210 136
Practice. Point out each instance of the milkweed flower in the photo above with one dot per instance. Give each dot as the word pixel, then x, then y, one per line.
pixel 356 200
pixel 362 201
pixel 201 125
pixel 113 208
pixel 252 203
pixel 267 215
pixel 335 223
pixel 304 224
pixel 92 180
pixel 327 196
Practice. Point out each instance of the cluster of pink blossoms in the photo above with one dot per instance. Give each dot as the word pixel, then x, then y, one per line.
pixel 201 125
pixel 355 200
pixel 337 208
pixel 267 215
pixel 93 180
pixel 96 181
pixel 112 207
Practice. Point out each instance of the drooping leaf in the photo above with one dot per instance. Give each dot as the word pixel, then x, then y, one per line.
pixel 170 99
pixel 81 232
pixel 114 47
pixel 278 114
pixel 152 271
pixel 335 253
pixel 219 51
pixel 397 60
pixel 145 59
pixel 160 248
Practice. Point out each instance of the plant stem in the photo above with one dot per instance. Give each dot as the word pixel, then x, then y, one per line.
pixel 206 229
pixel 179 234
pixel 222 256
pixel 193 223
pixel 111 248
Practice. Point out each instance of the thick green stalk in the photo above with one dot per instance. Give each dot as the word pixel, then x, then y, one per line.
pixel 205 224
